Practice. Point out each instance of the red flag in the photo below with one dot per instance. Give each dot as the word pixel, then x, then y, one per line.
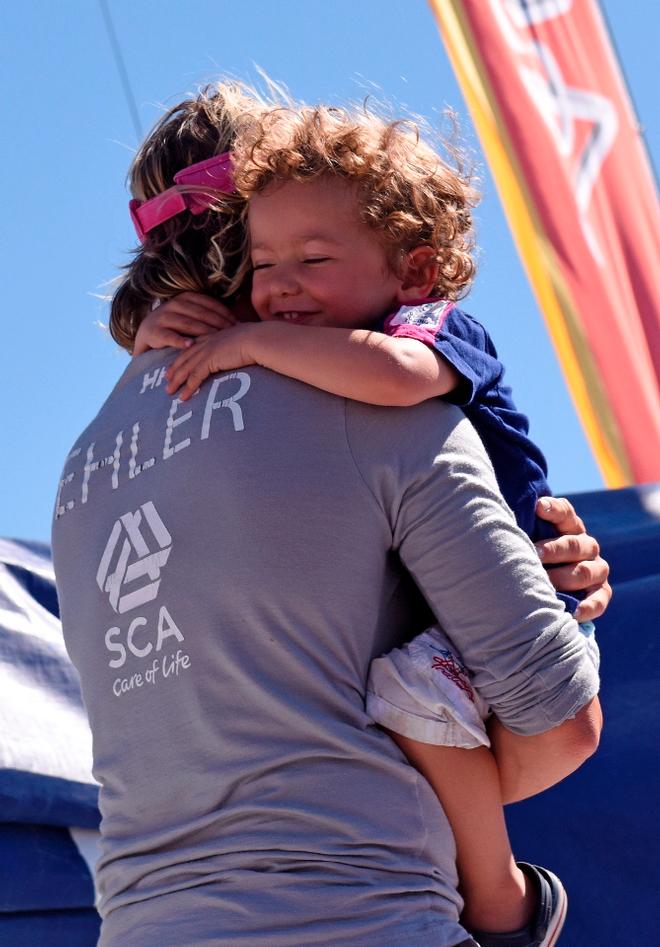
pixel 547 97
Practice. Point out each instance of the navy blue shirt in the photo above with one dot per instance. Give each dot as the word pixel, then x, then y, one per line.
pixel 519 465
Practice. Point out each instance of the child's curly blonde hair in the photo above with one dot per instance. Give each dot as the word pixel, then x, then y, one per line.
pixel 407 193
pixel 206 252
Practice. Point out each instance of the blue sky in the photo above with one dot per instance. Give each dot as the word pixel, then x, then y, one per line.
pixel 67 143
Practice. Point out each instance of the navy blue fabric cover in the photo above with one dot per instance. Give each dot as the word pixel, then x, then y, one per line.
pixel 50 929
pixel 47 793
pixel 599 830
pixel 42 869
pixel 51 800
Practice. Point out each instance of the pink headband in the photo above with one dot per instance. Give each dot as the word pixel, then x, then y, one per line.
pixel 210 176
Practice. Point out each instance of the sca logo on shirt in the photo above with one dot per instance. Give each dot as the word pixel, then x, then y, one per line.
pixel 128 558
pixel 129 573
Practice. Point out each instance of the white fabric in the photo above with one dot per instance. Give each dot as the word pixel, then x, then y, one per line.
pixel 39 688
pixel 423 691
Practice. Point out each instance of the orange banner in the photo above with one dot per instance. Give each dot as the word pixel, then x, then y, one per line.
pixel 546 95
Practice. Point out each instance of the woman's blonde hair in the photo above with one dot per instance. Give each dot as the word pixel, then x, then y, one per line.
pixel 205 252
pixel 407 193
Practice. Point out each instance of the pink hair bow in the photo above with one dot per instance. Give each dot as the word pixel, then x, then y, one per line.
pixel 208 177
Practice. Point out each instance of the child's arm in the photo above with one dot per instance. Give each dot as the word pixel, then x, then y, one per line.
pixel 178 321
pixel 352 363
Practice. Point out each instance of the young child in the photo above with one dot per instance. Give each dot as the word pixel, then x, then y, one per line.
pixel 359 231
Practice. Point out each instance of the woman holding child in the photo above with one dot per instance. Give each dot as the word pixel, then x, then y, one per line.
pixel 269 546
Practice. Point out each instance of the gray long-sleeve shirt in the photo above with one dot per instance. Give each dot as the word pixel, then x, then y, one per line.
pixel 227 569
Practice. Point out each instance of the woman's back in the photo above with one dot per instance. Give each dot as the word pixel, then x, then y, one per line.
pixel 225 577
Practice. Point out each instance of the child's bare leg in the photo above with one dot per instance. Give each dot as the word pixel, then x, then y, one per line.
pixel 498 896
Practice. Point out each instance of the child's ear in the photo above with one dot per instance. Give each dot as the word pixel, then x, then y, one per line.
pixel 419 276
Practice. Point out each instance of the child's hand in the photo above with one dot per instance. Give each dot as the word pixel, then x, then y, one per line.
pixel 180 320
pixel 218 352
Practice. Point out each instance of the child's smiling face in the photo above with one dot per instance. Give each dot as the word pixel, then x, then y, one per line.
pixel 315 262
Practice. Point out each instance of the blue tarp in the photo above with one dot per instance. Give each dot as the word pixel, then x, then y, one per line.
pixel 48 798
pixel 598 829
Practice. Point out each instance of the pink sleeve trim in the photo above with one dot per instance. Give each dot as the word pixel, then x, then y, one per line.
pixel 427 336
pixel 421 320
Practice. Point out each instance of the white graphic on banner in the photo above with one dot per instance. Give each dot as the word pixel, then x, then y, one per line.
pixel 127 558
pixel 559 105
pixel 526 12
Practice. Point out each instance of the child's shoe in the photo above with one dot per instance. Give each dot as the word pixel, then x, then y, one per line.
pixel 545 927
